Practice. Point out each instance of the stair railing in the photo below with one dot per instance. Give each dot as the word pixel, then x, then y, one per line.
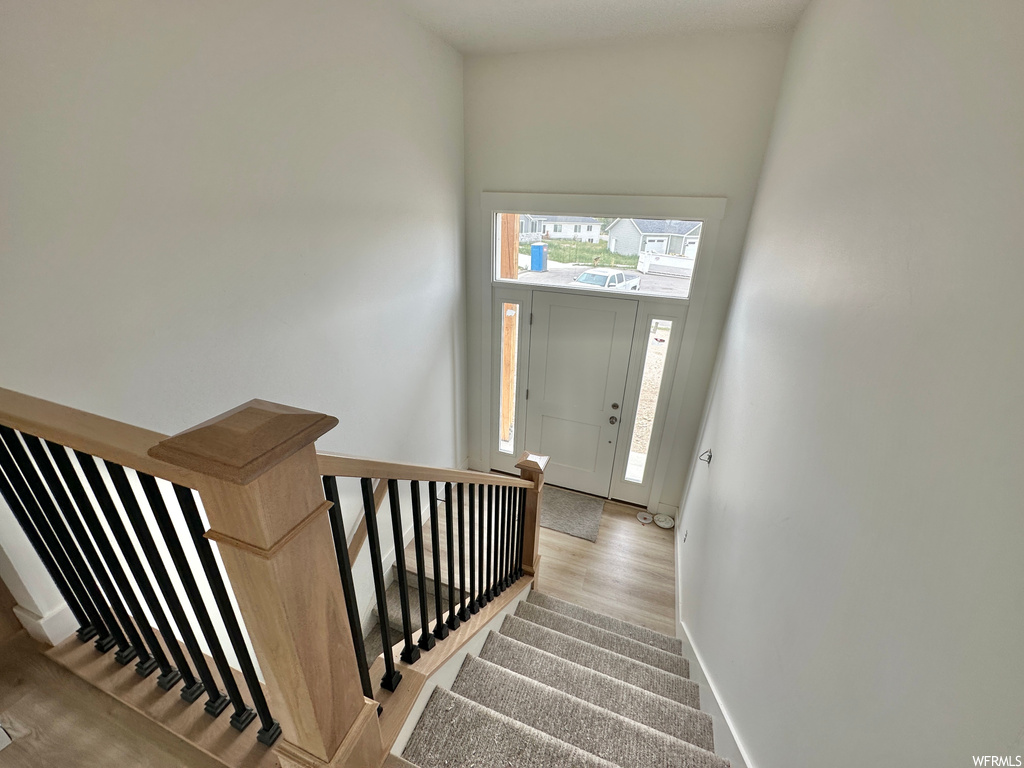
pixel 116 514
pixel 489 542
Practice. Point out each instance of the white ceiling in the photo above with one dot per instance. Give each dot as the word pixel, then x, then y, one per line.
pixel 505 26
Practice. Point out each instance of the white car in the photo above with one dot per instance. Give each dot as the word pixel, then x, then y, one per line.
pixel 609 279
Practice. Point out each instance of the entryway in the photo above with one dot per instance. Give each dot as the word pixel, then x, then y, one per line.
pixel 574 364
pixel 579 357
pixel 582 379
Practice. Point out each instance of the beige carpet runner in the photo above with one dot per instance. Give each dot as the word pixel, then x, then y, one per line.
pixel 560 685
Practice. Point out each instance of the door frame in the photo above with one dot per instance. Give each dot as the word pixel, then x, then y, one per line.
pixel 710 210
pixel 505 462
pixel 676 311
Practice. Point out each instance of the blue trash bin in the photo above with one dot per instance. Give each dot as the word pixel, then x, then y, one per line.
pixel 539 257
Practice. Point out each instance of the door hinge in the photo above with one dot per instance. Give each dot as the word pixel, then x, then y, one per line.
pixel 531 318
pixel 527 394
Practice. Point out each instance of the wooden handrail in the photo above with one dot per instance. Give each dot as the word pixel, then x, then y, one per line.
pixel 129 446
pixel 98 436
pixel 350 466
pixel 259 478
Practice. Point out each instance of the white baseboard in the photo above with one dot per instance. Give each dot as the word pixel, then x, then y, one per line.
pixel 668 509
pixel 55 627
pixel 718 699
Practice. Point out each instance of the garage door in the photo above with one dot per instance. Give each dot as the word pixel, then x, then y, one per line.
pixel 656 244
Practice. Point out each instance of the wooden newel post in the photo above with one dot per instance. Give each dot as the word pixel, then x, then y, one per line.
pixel 265 502
pixel 531 467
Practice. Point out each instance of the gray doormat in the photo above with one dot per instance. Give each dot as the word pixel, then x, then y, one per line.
pixel 571 513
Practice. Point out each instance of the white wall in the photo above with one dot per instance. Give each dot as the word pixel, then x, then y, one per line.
pixel 716 96
pixel 852 573
pixel 209 202
pixel 40 607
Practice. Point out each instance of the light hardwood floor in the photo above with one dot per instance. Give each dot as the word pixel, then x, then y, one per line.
pixel 628 573
pixel 56 719
pixel 9 623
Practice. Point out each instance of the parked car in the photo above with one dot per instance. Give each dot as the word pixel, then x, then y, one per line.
pixel 609 279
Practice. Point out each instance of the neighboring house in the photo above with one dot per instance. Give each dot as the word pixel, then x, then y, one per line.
pixel 630 237
pixel 582 228
pixel 530 227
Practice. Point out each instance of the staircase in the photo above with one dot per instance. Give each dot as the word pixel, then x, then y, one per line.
pixel 114 512
pixel 372 641
pixel 561 685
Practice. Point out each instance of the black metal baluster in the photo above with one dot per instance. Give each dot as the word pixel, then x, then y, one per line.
pixel 410 653
pixel 474 605
pixel 502 532
pixel 193 688
pixel 449 530
pixel 426 640
pixel 168 674
pixel 499 543
pixel 392 677
pixel 347 585
pixel 85 630
pixel 460 504
pixel 490 542
pixel 481 592
pixel 217 701
pixel 39 511
pixel 270 729
pixel 440 630
pixel 81 536
pixel 146 664
pixel 510 536
pixel 520 534
pixel 91 598
pixel 505 520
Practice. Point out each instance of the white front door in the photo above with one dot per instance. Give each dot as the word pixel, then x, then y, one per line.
pixel 579 358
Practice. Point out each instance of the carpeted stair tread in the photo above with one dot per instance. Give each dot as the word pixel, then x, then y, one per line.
pixel 607 662
pixel 454 732
pixel 428 582
pixel 622 698
pixel 592 728
pixel 394 599
pixel 600 620
pixel 372 644
pixel 602 638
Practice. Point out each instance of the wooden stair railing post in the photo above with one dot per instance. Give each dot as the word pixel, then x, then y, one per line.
pixel 531 467
pixel 262 492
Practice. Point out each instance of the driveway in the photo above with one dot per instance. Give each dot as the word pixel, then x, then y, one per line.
pixel 559 274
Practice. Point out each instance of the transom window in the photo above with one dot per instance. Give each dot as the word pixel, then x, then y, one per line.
pixel 654 257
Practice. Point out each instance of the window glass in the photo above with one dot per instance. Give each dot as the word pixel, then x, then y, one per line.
pixel 509 366
pixel 656 257
pixel 647 403
pixel 593 278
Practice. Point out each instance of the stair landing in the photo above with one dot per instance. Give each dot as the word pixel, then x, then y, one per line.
pixel 50 712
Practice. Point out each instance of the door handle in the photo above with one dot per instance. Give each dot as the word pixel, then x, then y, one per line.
pixel 612 420
pixel 615 406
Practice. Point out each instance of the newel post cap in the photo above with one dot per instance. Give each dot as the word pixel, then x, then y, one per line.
pixel 240 445
pixel 533 462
